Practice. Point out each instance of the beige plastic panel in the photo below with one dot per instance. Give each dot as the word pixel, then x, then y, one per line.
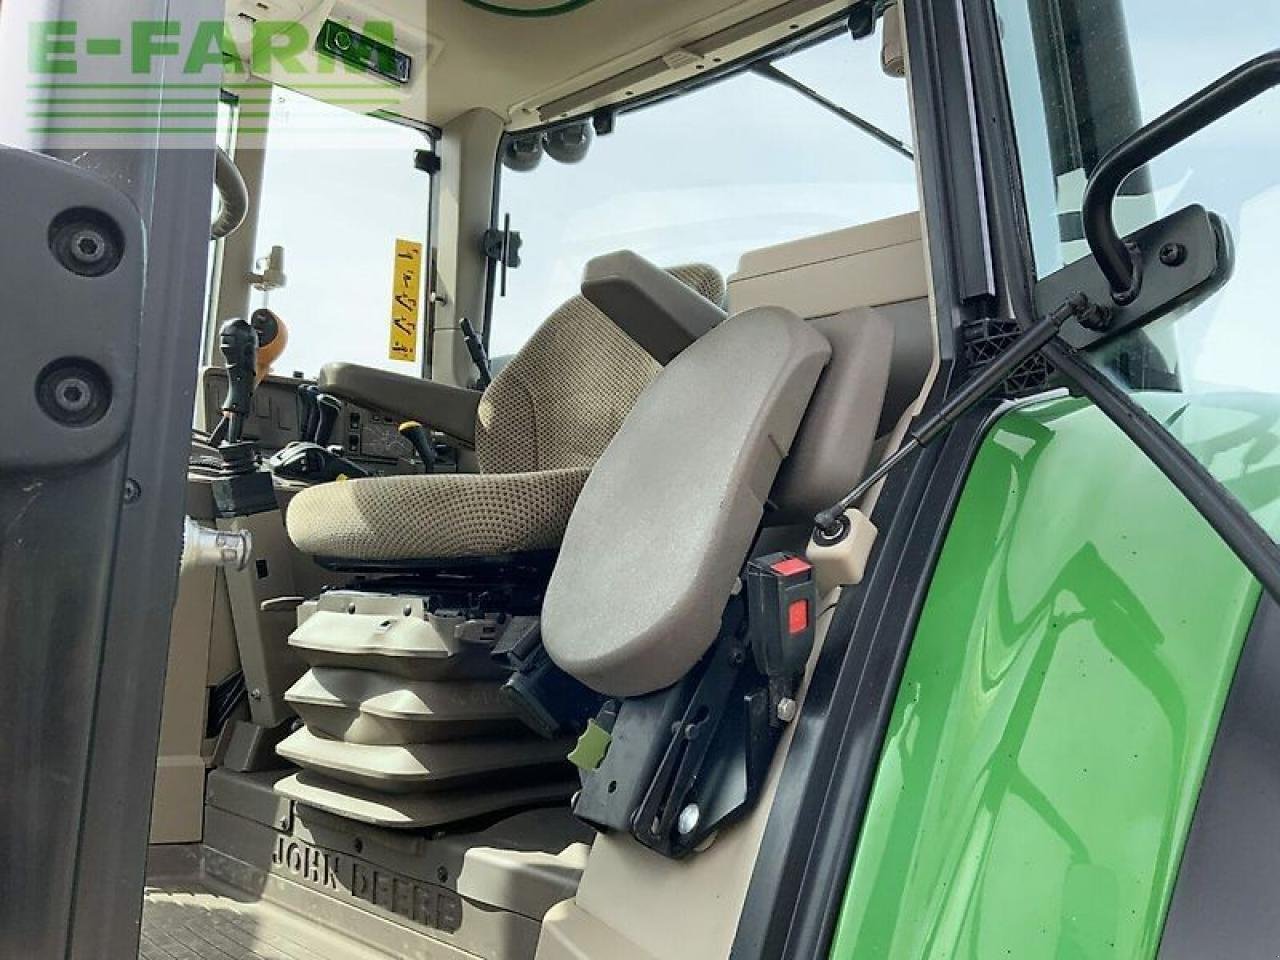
pixel 389 634
pixel 359 706
pixel 176 806
pixel 262 636
pixel 417 810
pixel 421 766
pixel 863 266
pixel 570 933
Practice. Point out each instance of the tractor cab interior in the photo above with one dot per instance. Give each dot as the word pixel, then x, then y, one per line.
pixel 533 348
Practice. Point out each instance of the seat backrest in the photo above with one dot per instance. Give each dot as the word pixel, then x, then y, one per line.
pixel 667 517
pixel 560 400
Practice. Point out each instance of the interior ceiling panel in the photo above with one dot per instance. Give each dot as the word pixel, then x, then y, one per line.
pixel 501 62
pixel 570 54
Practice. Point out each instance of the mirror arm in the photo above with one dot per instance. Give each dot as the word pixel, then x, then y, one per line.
pixel 1121 265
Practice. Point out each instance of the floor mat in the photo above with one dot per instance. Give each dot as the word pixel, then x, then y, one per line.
pixel 192 921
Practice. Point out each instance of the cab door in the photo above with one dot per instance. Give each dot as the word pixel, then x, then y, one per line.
pixel 105 206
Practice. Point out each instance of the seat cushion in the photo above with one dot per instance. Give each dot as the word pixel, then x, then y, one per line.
pixel 439 516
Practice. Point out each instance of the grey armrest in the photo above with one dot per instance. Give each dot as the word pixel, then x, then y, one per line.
pixel 647 303
pixel 450 410
pixel 667 518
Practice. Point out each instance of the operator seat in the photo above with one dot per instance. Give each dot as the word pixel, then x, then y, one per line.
pixel 641 623
pixel 661 599
pixel 537 430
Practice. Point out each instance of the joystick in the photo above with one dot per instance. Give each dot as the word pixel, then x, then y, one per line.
pixel 239 344
pixel 241 488
pixel 330 408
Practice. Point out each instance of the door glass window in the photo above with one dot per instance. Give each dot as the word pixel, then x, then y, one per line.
pixel 1082 75
pixel 704 176
pixel 339 190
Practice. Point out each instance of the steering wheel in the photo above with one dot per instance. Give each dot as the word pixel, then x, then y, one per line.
pixel 233 196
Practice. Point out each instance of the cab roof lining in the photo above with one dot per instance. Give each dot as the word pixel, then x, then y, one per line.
pixel 531 70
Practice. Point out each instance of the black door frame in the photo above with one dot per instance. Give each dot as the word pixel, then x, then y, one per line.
pixel 798 885
pixel 77 892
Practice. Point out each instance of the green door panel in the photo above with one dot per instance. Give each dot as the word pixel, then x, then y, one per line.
pixel 1062 693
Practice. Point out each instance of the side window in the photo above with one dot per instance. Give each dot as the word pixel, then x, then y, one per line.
pixel 1082 76
pixel 339 191
pixel 739 164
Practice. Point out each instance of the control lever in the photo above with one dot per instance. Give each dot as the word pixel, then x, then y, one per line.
pixel 330 408
pixel 311 463
pixel 479 356
pixel 420 439
pixel 309 417
pixel 239 344
pixel 310 460
pixel 273 337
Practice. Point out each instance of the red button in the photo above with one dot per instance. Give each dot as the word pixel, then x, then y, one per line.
pixel 791 566
pixel 798 616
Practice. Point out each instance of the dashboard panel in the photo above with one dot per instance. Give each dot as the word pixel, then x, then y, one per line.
pixel 365 436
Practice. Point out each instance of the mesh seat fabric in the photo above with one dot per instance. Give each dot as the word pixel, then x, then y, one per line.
pixel 559 401
pixel 448 515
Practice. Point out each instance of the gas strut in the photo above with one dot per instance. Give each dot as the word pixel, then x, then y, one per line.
pixel 831 525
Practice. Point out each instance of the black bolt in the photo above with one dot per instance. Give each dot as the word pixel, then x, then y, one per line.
pixel 88 246
pixel 86 242
pixel 75 393
pixel 132 491
pixel 736 657
pixel 442 874
pixel 1173 254
pixel 1096 317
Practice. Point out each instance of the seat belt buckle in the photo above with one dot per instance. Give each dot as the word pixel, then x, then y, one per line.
pixel 782 600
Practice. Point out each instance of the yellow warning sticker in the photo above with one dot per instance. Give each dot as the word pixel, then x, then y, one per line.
pixel 406 306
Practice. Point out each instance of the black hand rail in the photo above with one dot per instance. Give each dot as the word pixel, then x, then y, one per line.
pixel 1119 264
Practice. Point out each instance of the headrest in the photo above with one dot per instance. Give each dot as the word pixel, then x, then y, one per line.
pixel 662 311
pixel 668 515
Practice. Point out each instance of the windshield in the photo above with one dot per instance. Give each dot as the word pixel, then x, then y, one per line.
pixel 341 194
pixel 702 177
pixel 1082 75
